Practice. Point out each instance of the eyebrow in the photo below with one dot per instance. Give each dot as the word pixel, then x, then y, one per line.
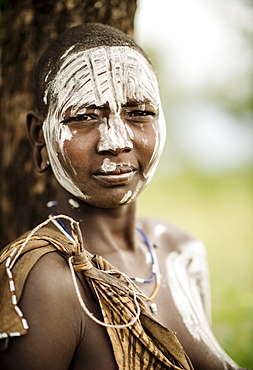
pixel 136 103
pixel 130 103
pixel 93 106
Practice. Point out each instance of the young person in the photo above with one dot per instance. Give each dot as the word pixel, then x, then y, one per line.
pixel 64 304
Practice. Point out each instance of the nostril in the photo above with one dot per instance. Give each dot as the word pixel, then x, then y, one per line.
pixel 114 151
pixel 110 151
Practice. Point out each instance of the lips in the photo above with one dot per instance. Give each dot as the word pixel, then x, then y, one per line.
pixel 120 175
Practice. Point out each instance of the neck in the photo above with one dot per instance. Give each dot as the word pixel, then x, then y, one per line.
pixel 104 230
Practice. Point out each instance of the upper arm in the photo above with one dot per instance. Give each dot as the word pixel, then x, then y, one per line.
pixel 188 278
pixel 190 268
pixel 50 306
pixel 187 257
pixel 198 274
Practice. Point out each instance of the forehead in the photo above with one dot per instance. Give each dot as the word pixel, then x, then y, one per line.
pixel 103 74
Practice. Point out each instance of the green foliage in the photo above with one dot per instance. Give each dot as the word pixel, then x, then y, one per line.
pixel 219 210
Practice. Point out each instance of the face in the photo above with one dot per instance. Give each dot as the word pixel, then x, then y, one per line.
pixel 104 129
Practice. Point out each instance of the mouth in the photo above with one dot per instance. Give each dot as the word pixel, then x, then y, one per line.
pixel 120 175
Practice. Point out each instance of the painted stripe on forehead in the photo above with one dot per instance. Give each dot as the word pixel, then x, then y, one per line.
pixel 115 64
pixel 80 71
pixel 73 61
pixel 120 74
pixel 94 74
pixel 106 72
pixel 69 85
pixel 67 51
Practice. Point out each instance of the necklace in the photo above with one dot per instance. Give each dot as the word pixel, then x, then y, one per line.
pixel 155 274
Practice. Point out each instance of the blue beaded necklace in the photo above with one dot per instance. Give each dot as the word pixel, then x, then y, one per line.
pixel 155 275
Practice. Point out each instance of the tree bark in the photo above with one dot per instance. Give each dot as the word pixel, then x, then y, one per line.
pixel 28 28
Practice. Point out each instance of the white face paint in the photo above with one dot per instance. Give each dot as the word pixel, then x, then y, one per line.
pixel 126 197
pixel 108 166
pixel 117 135
pixel 188 279
pixel 96 77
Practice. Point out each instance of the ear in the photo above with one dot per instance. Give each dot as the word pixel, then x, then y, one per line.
pixel 35 133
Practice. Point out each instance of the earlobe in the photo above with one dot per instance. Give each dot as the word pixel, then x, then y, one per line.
pixel 35 133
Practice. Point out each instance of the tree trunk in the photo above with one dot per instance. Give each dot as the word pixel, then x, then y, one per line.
pixel 28 28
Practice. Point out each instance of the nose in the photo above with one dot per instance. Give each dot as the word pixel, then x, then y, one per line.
pixel 115 137
pixel 115 151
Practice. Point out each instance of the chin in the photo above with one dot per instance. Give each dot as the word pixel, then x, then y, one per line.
pixel 107 202
pixel 110 205
pixel 111 197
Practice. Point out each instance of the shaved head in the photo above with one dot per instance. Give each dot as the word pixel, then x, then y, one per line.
pixel 74 40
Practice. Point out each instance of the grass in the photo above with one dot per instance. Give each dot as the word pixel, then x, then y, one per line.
pixel 219 211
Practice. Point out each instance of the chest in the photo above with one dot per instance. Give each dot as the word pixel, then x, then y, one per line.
pixel 159 300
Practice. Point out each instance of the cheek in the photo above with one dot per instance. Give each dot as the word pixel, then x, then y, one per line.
pixel 71 150
pixel 145 141
pixel 150 140
pixel 79 154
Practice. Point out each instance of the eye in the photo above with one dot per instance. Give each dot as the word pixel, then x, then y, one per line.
pixel 81 118
pixel 140 113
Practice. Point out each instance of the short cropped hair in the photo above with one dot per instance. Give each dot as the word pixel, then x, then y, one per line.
pixel 79 38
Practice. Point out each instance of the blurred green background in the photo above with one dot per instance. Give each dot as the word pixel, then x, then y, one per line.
pixel 202 51
pixel 219 211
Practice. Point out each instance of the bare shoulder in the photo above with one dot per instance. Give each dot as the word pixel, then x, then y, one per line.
pixel 48 283
pixel 182 259
pixel 50 273
pixel 169 236
pixel 177 247
pixel 60 335
pixel 50 308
